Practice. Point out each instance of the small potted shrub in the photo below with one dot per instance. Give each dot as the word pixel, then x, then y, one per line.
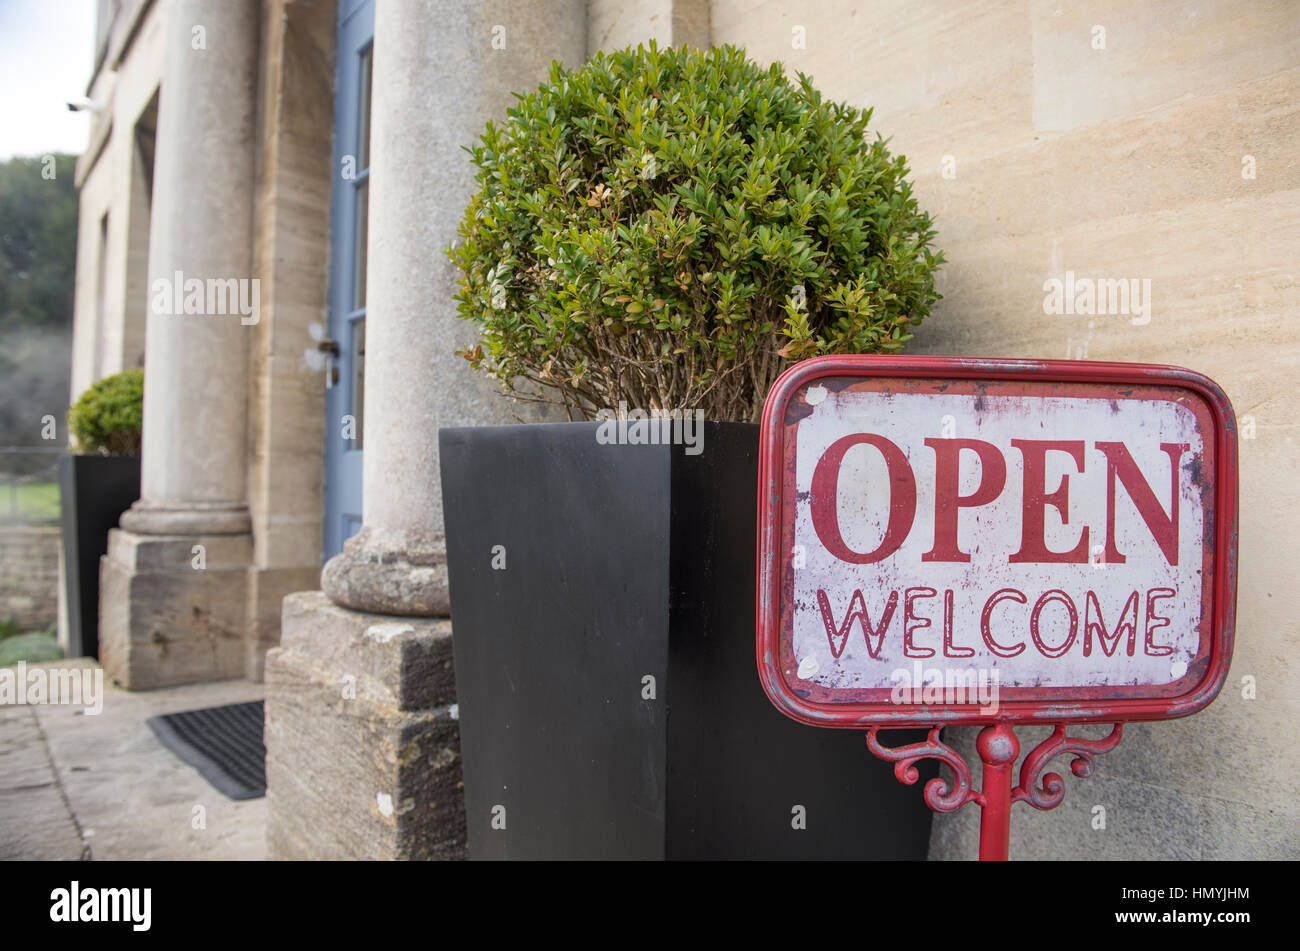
pixel 655 238
pixel 98 482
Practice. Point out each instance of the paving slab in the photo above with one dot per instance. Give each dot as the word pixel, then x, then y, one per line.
pixel 76 785
pixel 35 821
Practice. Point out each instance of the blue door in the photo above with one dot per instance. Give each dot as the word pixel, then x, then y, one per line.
pixel 345 372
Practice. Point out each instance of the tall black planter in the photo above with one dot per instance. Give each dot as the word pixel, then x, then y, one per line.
pixel 94 492
pixel 623 562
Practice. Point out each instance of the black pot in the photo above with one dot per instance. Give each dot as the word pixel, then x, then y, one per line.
pixel 623 562
pixel 94 492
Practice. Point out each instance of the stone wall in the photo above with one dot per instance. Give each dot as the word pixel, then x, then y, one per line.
pixel 29 575
pixel 113 176
pixel 1142 141
pixel 286 402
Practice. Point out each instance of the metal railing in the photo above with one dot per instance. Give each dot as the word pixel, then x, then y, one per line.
pixel 29 484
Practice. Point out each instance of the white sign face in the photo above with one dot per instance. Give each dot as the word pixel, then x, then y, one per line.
pixel 963 541
pixel 1058 541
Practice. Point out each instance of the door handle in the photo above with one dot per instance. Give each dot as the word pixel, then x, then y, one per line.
pixel 331 349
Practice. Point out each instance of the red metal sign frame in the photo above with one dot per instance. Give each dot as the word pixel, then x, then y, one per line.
pixel 1093 704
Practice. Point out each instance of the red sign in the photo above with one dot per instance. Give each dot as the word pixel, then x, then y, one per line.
pixel 951 541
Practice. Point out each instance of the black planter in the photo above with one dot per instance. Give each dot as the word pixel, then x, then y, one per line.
pixel 94 492
pixel 623 561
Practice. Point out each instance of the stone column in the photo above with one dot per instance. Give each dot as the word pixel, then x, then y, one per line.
pixel 175 576
pixel 442 69
pixel 614 24
pixel 362 744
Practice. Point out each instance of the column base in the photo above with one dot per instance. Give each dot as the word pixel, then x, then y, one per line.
pixel 362 744
pixel 172 608
pixel 190 518
pixel 387 572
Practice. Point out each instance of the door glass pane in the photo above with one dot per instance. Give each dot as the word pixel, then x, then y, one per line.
pixel 359 380
pixel 359 245
pixel 363 117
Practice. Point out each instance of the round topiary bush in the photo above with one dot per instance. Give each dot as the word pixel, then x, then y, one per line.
pixel 107 418
pixel 672 228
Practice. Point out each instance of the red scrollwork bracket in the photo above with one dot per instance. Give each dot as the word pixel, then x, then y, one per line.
pixel 998 748
pixel 1048 792
pixel 940 795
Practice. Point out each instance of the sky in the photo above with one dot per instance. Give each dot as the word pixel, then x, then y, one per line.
pixel 46 50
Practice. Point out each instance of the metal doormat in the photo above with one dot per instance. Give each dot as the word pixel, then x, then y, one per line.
pixel 223 743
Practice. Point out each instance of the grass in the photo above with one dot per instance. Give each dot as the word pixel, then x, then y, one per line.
pixel 32 648
pixel 30 501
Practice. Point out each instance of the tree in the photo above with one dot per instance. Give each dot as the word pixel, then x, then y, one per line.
pixel 38 252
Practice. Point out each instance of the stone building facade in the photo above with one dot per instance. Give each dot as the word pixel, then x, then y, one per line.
pixel 301 160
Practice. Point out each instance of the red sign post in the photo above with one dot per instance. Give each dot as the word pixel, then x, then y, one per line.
pixel 949 542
